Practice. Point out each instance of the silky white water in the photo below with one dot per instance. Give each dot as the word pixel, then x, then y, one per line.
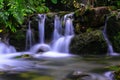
pixel 61 38
pixel 110 48
pixel 41 26
pixel 29 37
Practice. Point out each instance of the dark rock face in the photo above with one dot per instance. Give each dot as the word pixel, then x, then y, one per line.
pixel 113 32
pixel 94 17
pixel 89 43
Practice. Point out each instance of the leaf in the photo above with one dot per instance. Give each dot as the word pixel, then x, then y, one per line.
pixel 1 30
pixel 54 1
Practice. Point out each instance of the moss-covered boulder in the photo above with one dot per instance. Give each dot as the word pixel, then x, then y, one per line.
pixel 113 32
pixel 115 71
pixel 93 17
pixel 89 43
pixel 117 75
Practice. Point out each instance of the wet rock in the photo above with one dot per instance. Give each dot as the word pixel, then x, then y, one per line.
pixel 117 75
pixel 76 75
pixel 89 43
pixel 113 32
pixel 93 17
pixel 38 48
pixel 115 72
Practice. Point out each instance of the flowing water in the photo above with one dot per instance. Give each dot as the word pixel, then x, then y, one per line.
pixel 6 48
pixel 68 24
pixel 62 43
pixel 57 28
pixel 29 37
pixel 110 48
pixel 53 61
pixel 60 68
pixel 41 25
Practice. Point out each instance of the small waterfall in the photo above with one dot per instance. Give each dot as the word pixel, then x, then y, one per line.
pixel 110 48
pixel 57 28
pixel 62 44
pixel 29 37
pixel 6 48
pixel 41 23
pixel 68 24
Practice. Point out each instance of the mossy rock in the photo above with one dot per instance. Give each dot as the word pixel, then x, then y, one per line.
pixel 93 17
pixel 115 71
pixel 18 40
pixel 113 32
pixel 89 43
pixel 117 75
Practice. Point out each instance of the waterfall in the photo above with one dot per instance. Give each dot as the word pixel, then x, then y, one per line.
pixel 29 37
pixel 6 48
pixel 41 23
pixel 62 44
pixel 110 48
pixel 60 41
pixel 57 28
pixel 68 24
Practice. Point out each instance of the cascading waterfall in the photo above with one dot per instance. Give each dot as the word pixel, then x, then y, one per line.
pixel 29 37
pixel 60 41
pixel 57 28
pixel 68 24
pixel 41 24
pixel 41 46
pixel 6 47
pixel 62 44
pixel 110 48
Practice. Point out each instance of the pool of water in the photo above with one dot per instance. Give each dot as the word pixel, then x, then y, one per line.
pixel 56 68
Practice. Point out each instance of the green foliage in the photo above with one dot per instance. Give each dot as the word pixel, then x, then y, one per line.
pixel 118 4
pixel 116 70
pixel 54 1
pixel 14 12
pixel 72 3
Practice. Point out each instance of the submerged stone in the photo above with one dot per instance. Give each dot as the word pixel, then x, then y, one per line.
pixel 78 75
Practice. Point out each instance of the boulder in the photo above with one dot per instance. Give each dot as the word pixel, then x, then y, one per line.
pixel 38 48
pixel 113 32
pixel 93 17
pixel 89 43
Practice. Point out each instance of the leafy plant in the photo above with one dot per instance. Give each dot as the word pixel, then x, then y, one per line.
pixel 54 1
pixel 14 12
pixel 116 70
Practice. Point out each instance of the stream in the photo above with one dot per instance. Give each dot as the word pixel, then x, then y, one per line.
pixel 60 68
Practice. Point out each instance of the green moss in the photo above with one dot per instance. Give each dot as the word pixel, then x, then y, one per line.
pixel 89 43
pixel 116 69
pixel 113 32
